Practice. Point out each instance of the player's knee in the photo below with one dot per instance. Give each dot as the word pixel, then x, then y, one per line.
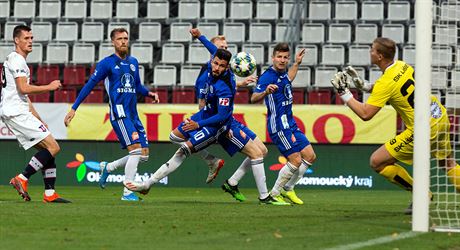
pixel 257 154
pixel 144 158
pixel 310 158
pixel 375 164
pixel 264 150
pixel 296 161
pixel 186 150
pixel 54 149
pixel 174 138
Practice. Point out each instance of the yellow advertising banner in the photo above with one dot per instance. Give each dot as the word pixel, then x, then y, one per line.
pixel 320 123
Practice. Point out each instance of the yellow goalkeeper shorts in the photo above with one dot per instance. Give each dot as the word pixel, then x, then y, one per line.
pixel 401 147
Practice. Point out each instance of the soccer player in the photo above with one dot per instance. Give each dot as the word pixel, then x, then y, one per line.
pixel 204 127
pixel 120 73
pixel 239 138
pixel 20 116
pixel 396 86
pixel 274 86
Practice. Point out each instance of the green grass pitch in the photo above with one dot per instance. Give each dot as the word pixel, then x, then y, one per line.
pixel 208 218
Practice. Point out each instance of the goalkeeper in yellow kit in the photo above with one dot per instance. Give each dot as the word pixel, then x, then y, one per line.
pixel 396 86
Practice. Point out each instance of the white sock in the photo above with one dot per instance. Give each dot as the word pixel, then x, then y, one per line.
pixel 204 154
pixel 169 167
pixel 240 172
pixel 131 164
pixel 126 191
pixel 112 166
pixel 207 157
pixel 297 176
pixel 284 176
pixel 49 192
pixel 22 177
pixel 258 171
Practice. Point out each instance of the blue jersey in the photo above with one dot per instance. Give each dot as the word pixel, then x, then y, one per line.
pixel 122 82
pixel 200 83
pixel 220 93
pixel 279 104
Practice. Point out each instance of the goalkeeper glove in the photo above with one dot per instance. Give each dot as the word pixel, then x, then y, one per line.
pixel 340 82
pixel 357 80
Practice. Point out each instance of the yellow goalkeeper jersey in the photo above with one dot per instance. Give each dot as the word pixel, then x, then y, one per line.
pixel 396 86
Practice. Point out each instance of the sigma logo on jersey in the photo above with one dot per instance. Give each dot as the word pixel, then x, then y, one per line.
pixel 224 101
pixel 131 66
pixel 288 94
pixel 127 80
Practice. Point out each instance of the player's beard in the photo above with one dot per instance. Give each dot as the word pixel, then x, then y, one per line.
pixel 123 51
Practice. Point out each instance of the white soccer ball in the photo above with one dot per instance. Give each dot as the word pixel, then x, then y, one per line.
pixel 243 64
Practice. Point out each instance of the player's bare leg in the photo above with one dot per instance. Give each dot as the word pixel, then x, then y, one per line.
pixel 214 163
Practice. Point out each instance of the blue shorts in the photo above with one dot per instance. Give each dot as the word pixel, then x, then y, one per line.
pixel 241 136
pixel 130 131
pixel 204 136
pixel 290 141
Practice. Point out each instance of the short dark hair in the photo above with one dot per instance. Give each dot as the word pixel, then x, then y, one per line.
pixel 281 47
pixel 117 30
pixel 386 47
pixel 18 29
pixel 223 54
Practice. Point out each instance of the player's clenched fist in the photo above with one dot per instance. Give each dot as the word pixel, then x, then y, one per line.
pixel 195 33
pixel 271 88
pixel 56 84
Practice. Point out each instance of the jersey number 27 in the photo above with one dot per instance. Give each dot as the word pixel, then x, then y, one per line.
pixel 404 92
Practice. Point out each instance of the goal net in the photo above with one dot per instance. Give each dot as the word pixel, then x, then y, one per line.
pixel 444 210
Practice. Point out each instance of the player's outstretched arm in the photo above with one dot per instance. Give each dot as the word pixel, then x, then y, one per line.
pixel 365 111
pixel 248 80
pixel 196 34
pixel 295 67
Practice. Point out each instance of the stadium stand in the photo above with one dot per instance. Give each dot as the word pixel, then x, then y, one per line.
pixel 65 95
pixel 76 34
pixel 241 10
pixel 4 8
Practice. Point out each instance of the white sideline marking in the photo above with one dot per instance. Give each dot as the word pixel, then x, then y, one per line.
pixel 376 241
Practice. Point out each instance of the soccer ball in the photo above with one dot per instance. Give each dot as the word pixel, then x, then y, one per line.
pixel 243 64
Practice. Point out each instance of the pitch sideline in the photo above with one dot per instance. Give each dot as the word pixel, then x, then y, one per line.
pixel 376 241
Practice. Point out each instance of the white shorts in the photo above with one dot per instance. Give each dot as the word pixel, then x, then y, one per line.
pixel 27 129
